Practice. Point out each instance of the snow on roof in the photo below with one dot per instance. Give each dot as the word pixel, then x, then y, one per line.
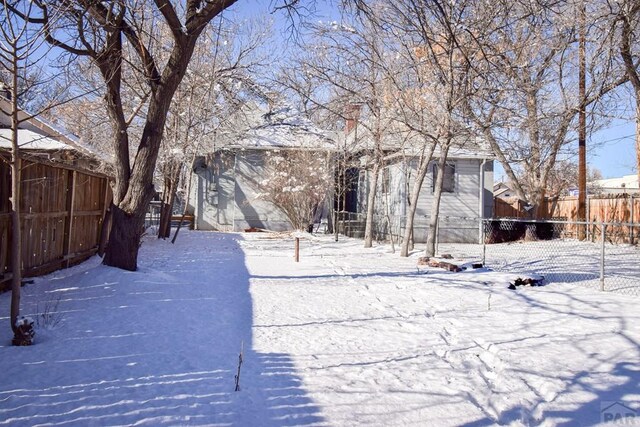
pixel 627 181
pixel 29 140
pixel 404 142
pixel 45 129
pixel 282 127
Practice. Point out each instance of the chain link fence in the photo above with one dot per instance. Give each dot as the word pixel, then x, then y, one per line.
pixel 603 255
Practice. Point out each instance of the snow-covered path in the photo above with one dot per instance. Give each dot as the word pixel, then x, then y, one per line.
pixel 347 336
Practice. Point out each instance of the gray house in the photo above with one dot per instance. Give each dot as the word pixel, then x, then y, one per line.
pixel 226 184
pixel 467 193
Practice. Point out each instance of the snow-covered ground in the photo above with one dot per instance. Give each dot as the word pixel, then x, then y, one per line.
pixel 348 336
pixel 568 260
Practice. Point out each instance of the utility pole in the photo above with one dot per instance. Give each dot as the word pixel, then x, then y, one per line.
pixel 582 128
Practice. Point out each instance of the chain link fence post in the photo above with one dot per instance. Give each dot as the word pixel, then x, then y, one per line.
pixel 631 218
pixel 484 241
pixel 602 240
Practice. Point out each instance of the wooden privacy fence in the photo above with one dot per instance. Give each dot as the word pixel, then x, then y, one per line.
pixel 62 211
pixel 611 208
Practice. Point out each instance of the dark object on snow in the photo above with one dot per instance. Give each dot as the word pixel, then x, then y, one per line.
pixel 477 265
pixel 252 230
pixel 526 282
pixel 423 260
pixel 442 264
pixel 240 360
pixel 446 256
pixel 24 332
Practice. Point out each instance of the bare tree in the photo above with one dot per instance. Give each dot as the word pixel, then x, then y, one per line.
pixel 628 17
pixel 297 182
pixel 221 74
pixel 433 99
pixel 103 32
pixel 20 55
pixel 317 99
pixel 347 60
pixel 527 103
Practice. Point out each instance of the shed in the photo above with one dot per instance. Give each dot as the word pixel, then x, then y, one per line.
pixel 225 189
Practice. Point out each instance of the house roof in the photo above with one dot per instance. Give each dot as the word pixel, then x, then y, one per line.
pixel 40 139
pixel 406 143
pixel 627 181
pixel 277 128
pixel 500 188
pixel 29 140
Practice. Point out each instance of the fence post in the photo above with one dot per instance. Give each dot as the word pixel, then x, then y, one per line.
pixel 297 250
pixel 631 221
pixel 602 238
pixel 484 242
pixel 70 211
pixel 588 213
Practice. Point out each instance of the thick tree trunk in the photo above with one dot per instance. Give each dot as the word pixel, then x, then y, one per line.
pixel 371 199
pixel 534 212
pixel 128 214
pixel 104 233
pixel 435 206
pixel 407 240
pixel 171 184
pixel 124 240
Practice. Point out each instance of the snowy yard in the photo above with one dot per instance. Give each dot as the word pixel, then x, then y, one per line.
pixel 347 336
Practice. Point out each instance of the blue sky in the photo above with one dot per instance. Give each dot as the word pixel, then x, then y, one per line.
pixel 616 157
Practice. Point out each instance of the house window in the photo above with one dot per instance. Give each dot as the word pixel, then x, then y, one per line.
pixel 449 179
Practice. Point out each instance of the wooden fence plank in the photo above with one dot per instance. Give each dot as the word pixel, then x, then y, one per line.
pixel 62 210
pixel 616 208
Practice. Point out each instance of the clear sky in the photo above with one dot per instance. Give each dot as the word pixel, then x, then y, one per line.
pixel 616 157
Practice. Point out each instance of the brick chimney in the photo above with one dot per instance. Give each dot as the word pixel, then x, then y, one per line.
pixel 351 114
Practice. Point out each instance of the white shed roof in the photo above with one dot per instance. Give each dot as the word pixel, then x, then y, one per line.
pixel 29 140
pixel 284 127
pixel 627 181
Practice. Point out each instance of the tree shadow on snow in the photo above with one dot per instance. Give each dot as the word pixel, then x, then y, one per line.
pixel 611 384
pixel 608 402
pixel 159 346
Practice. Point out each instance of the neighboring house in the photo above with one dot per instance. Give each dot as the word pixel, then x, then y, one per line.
pixel 467 193
pixel 627 184
pixel 225 186
pixel 502 190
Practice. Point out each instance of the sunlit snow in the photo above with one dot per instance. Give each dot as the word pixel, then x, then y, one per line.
pixel 345 337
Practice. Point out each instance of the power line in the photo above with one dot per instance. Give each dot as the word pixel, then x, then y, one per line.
pixel 617 139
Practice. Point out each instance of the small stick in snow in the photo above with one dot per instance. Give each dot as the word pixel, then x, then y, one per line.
pixel 239 366
pixel 489 302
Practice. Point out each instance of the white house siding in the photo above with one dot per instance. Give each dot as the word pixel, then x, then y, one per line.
pixel 458 211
